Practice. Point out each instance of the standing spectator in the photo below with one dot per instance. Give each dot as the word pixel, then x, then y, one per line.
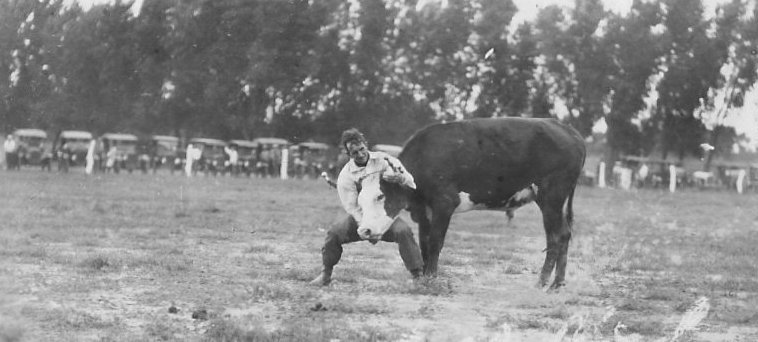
pixel 110 159
pixel 642 175
pixel 64 154
pixel 11 152
pixel 193 155
pixel 233 158
pixel 46 159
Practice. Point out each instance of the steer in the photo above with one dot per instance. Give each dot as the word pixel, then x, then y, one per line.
pixel 488 164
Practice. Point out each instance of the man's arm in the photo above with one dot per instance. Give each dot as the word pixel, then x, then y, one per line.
pixel 348 192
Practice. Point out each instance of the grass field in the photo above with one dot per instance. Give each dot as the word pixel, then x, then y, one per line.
pixel 136 257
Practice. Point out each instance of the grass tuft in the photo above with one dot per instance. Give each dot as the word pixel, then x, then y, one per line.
pixel 432 286
pixel 95 263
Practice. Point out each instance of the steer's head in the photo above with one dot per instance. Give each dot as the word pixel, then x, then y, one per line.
pixel 381 202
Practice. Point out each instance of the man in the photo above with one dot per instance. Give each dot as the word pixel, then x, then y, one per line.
pixel 231 151
pixel 11 152
pixel 64 156
pixel 362 163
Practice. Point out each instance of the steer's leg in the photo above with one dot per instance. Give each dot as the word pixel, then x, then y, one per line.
pixel 344 231
pixel 401 233
pixel 418 214
pixel 555 237
pixel 557 232
pixel 442 211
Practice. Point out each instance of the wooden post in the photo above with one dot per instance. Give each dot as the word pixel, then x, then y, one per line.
pixel 741 180
pixel 285 162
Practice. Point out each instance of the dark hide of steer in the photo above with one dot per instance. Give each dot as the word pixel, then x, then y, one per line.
pixel 481 164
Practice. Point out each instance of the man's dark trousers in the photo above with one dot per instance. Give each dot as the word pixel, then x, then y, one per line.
pixel 346 231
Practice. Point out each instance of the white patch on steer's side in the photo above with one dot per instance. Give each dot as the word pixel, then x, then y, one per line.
pixel 519 199
pixel 522 197
pixel 466 203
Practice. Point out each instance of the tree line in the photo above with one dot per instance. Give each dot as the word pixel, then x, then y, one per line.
pixel 665 73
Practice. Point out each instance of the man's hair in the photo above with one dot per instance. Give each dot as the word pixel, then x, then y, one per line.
pixel 352 135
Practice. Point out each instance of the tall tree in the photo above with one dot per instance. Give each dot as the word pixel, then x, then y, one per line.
pixel 503 79
pixel 633 42
pixel 575 60
pixel 740 38
pixel 693 66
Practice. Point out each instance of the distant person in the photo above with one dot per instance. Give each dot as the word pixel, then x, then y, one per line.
pixel 47 157
pixel 642 173
pixel 64 156
pixel 231 151
pixel 11 153
pixel 361 164
pixel 110 159
pixel 193 155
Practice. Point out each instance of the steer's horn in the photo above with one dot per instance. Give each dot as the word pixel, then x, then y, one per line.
pixel 393 167
pixel 328 180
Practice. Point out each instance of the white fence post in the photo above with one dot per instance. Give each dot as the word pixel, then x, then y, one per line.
pixel 285 162
pixel 740 180
pixel 672 178
pixel 601 175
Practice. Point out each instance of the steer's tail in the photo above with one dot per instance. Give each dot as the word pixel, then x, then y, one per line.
pixel 570 208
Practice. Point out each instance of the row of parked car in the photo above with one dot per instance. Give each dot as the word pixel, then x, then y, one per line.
pixel 260 156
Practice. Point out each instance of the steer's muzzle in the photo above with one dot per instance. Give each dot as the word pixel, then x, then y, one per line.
pixel 371 235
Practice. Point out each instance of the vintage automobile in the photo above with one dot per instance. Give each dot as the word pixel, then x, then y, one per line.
pixel 34 148
pixel 246 155
pixel 124 151
pixel 70 148
pixel 213 158
pixel 310 158
pixel 165 153
pixel 268 154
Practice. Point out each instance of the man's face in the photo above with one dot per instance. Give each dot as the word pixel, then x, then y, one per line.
pixel 358 152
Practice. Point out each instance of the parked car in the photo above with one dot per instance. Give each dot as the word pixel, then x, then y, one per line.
pixel 165 153
pixel 125 150
pixel 213 158
pixel 268 154
pixel 246 154
pixel 309 158
pixel 70 148
pixel 34 148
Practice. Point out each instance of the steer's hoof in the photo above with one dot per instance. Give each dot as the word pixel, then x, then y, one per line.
pixel 321 280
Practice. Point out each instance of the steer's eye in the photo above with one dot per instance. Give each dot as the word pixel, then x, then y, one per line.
pixel 380 197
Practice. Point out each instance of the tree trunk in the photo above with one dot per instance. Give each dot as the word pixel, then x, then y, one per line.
pixel 611 155
pixel 713 140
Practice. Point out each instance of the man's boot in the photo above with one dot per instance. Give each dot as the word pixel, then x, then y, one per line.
pixel 323 279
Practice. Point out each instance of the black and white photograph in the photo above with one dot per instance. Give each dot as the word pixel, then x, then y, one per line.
pixel 379 170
